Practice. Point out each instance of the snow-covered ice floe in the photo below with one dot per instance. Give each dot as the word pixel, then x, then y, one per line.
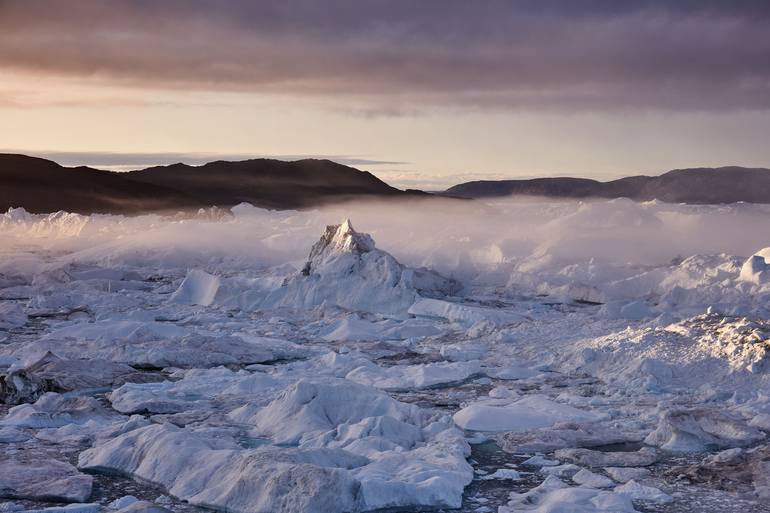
pixel 605 356
pixel 344 446
pixel 526 414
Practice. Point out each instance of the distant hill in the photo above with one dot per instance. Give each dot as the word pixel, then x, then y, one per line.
pixel 696 185
pixel 41 185
pixel 266 182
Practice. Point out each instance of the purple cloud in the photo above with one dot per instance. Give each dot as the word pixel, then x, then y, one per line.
pixel 561 55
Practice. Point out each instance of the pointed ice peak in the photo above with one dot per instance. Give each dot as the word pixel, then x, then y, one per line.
pixel 342 232
pixel 343 238
pixel 348 240
pixel 339 238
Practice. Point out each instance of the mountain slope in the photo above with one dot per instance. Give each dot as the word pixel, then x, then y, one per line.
pixel 696 185
pixel 41 185
pixel 266 182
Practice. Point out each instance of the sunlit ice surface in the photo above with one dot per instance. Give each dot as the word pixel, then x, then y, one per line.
pixel 526 355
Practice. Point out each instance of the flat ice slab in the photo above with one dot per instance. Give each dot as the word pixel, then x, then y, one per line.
pixel 530 412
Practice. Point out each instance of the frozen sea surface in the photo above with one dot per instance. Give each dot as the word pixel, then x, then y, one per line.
pixel 500 357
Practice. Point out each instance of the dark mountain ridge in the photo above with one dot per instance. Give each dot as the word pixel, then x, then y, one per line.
pixel 41 185
pixel 266 182
pixel 696 185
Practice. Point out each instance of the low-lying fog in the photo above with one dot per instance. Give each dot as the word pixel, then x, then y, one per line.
pixel 467 239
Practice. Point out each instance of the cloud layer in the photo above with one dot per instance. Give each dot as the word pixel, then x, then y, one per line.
pixel 398 54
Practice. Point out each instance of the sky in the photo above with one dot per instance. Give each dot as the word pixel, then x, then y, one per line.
pixel 422 93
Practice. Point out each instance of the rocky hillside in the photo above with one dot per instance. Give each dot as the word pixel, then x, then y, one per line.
pixel 40 185
pixel 696 185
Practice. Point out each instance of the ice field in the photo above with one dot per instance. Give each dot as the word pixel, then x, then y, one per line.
pixel 507 356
